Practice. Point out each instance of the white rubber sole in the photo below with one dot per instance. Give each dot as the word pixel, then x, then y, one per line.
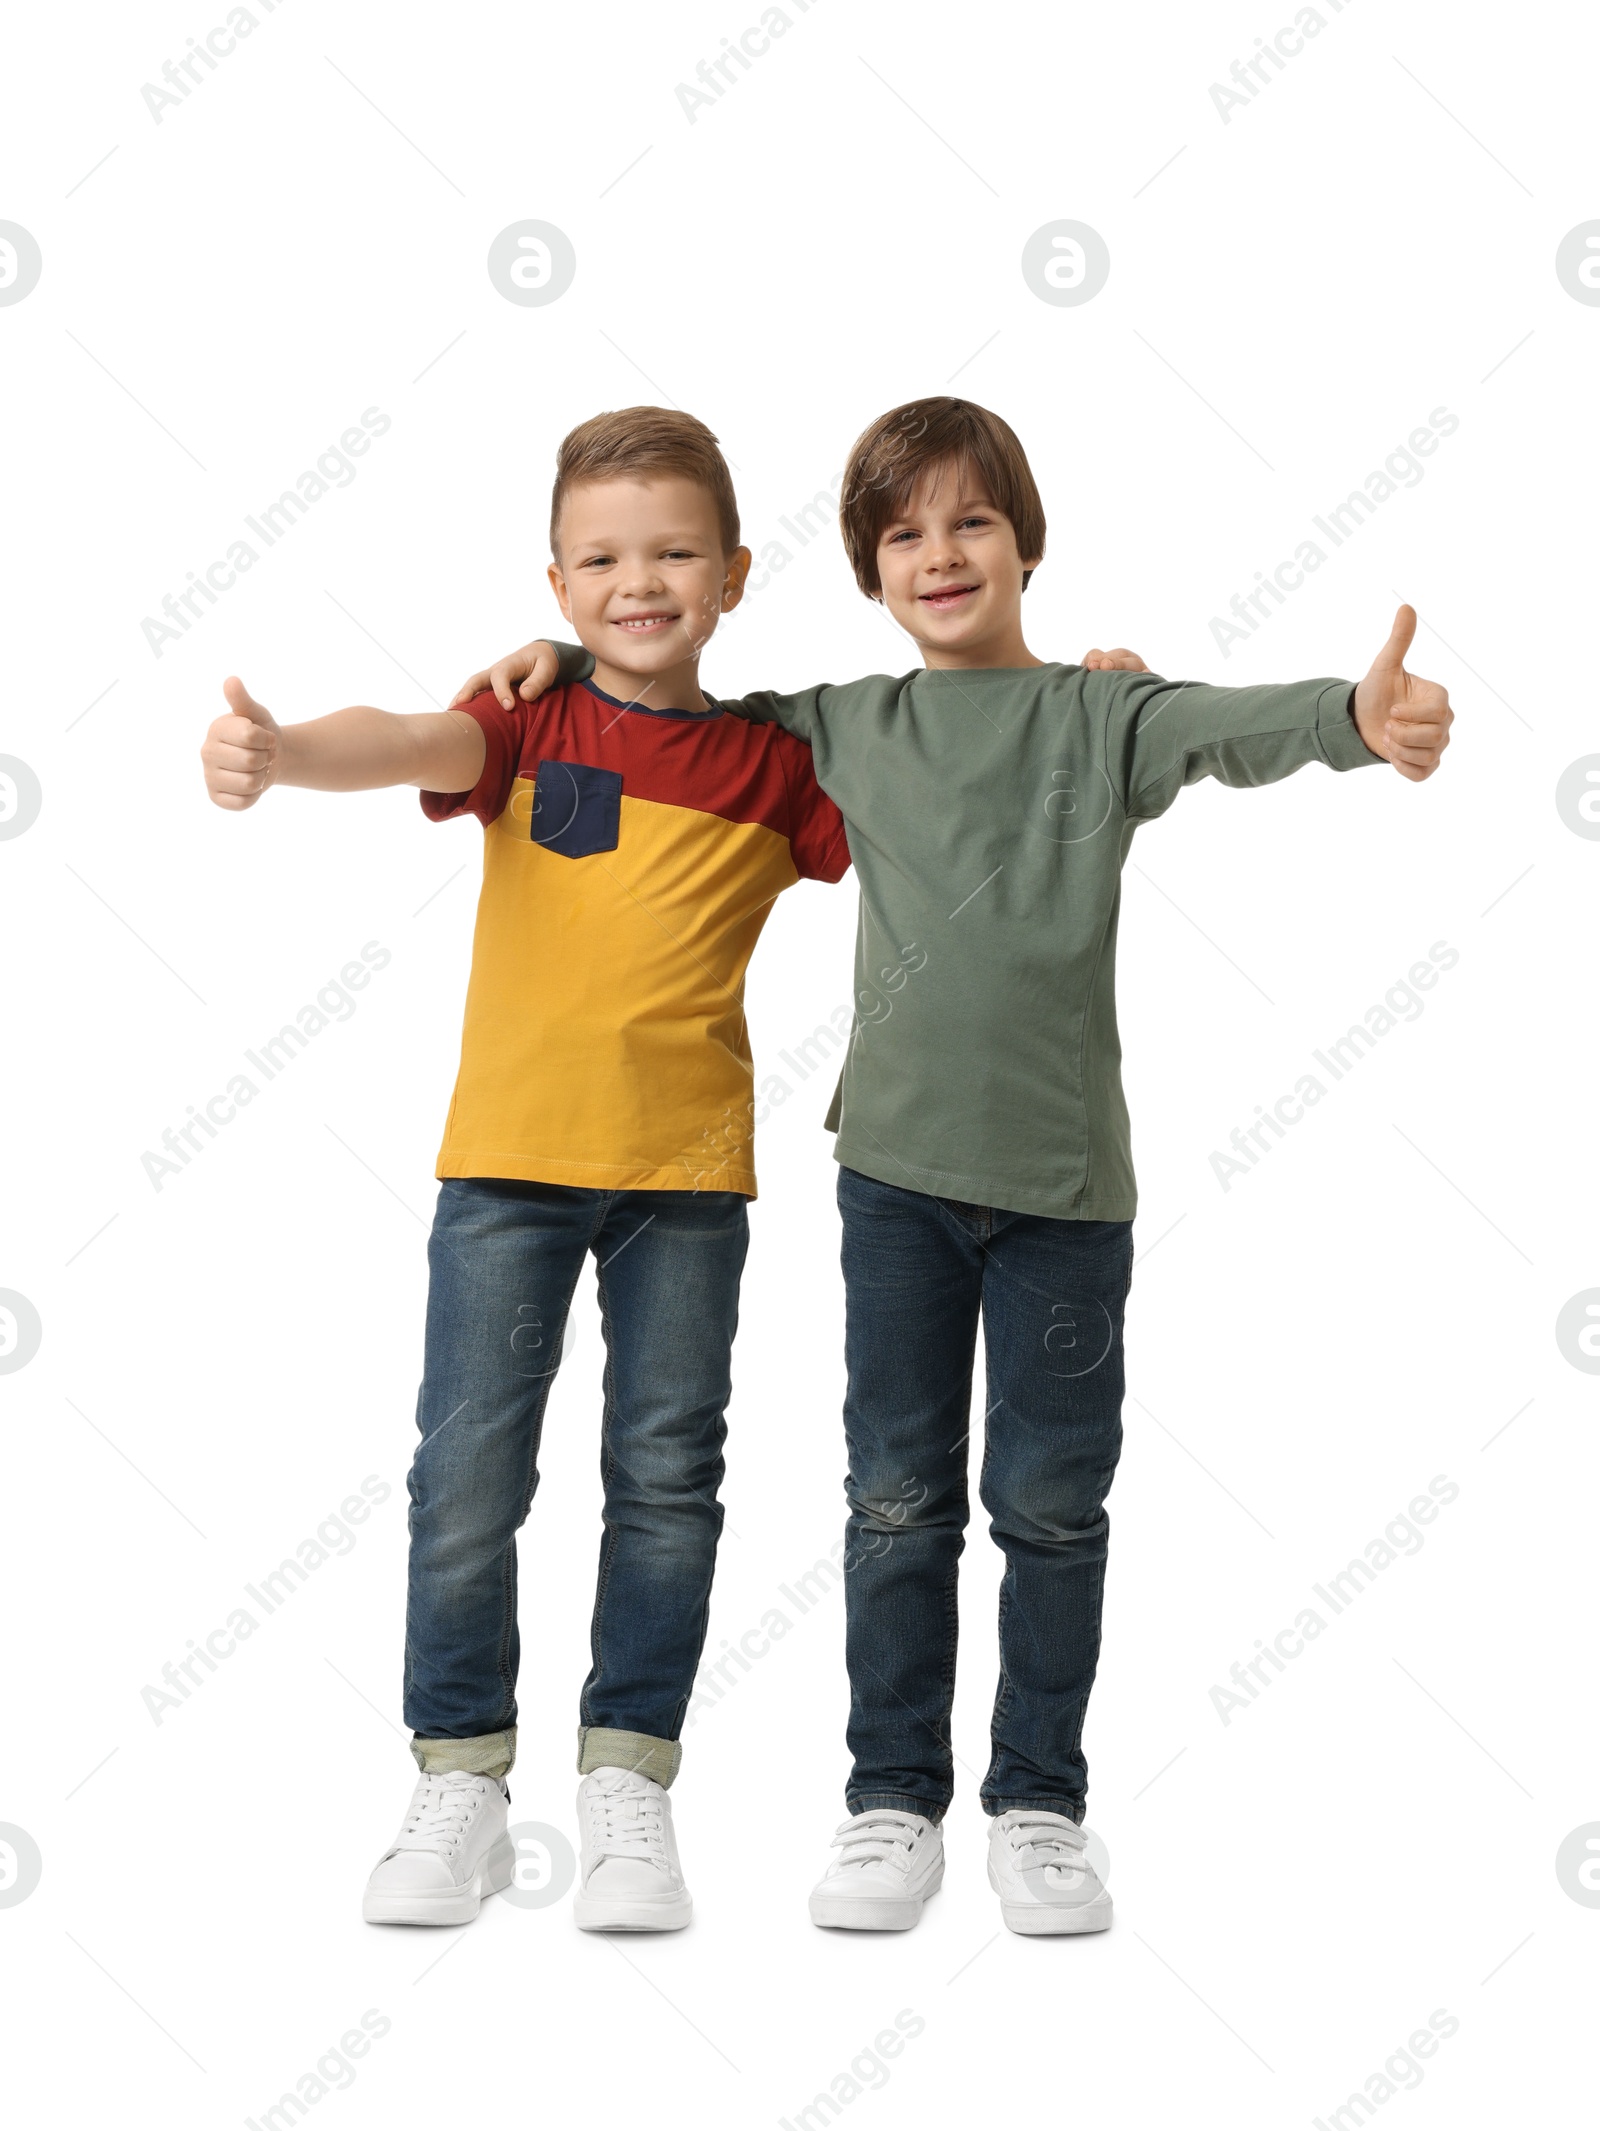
pixel 1031 1920
pixel 872 1912
pixel 592 1913
pixel 449 1905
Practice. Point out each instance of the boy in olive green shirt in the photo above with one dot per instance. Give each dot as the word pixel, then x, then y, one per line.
pixel 990 802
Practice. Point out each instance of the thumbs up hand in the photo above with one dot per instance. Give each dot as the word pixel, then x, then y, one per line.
pixel 240 752
pixel 1405 720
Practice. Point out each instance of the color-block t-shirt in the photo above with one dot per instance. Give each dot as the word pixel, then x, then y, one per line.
pixel 630 858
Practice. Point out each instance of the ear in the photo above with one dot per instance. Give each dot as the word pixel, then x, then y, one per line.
pixel 733 584
pixel 558 585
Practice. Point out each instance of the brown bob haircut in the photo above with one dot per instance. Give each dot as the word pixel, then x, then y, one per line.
pixel 639 444
pixel 889 455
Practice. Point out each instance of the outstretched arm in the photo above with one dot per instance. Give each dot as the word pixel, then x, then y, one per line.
pixel 1162 735
pixel 537 667
pixel 355 750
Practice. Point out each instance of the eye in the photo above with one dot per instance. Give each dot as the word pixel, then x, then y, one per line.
pixel 976 518
pixel 594 562
pixel 897 539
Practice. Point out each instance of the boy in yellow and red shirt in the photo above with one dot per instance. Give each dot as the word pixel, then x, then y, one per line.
pixel 635 840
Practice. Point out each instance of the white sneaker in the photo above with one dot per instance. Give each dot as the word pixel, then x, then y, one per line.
pixel 889 1863
pixel 628 1876
pixel 452 1849
pixel 1045 1882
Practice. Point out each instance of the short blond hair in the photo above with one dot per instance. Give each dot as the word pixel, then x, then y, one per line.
pixel 639 442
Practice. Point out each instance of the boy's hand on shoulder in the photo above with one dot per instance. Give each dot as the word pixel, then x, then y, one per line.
pixel 529 672
pixel 1118 661
pixel 240 751
pixel 1405 720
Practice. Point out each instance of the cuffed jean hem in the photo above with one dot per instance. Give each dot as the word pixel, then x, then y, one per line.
pixel 490 1755
pixel 658 1759
pixel 1069 1809
pixel 895 1802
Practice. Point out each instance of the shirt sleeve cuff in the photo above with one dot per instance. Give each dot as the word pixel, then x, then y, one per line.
pixel 573 662
pixel 487 796
pixel 1337 733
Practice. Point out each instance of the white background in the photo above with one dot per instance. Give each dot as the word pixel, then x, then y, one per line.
pixel 1372 237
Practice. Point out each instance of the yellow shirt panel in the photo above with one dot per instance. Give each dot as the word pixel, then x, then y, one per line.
pixel 604 1043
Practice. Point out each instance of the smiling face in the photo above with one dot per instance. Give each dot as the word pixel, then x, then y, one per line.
pixel 951 573
pixel 641 576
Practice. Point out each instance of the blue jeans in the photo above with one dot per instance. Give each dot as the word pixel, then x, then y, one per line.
pixel 919 1271
pixel 504 1259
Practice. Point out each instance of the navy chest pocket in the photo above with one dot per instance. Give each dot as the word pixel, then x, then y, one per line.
pixel 577 809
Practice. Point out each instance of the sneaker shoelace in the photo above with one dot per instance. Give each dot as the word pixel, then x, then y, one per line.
pixel 880 1836
pixel 1045 1841
pixel 440 1814
pixel 626 1820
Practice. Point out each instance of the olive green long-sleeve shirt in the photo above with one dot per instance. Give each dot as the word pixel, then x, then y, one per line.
pixel 989 815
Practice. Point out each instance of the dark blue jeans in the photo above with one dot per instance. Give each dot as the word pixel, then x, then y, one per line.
pixel 919 1272
pixel 504 1259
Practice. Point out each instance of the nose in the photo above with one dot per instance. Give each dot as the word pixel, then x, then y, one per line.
pixel 641 578
pixel 945 552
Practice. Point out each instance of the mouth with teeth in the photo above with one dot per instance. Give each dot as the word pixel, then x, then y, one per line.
pixel 645 624
pixel 947 597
